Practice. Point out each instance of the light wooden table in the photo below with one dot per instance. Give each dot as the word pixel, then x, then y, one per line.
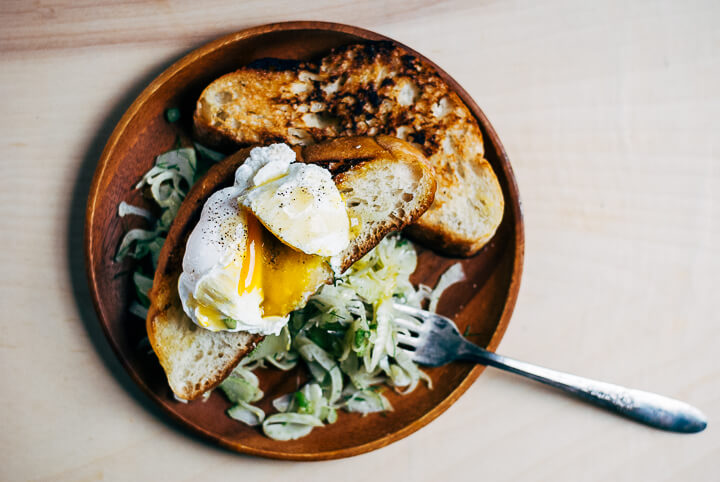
pixel 610 112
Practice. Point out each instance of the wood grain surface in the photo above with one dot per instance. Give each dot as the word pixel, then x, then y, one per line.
pixel 610 112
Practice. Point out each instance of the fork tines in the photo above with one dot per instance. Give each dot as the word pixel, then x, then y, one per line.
pixel 413 325
pixel 407 342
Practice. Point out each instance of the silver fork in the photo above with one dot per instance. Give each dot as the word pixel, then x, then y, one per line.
pixel 435 340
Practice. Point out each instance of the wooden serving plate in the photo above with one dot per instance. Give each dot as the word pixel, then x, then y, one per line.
pixel 482 305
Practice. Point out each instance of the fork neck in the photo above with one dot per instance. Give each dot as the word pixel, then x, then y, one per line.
pixel 471 352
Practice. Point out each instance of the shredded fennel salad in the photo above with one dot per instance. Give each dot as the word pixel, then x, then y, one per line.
pixel 345 337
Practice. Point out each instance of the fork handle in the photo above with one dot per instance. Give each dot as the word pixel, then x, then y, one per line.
pixel 648 408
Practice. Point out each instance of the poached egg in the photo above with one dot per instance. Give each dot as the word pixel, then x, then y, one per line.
pixel 263 245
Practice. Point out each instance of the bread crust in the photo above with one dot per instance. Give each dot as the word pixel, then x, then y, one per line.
pixel 344 159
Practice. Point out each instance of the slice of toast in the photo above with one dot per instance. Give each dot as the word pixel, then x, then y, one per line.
pixel 366 89
pixel 386 184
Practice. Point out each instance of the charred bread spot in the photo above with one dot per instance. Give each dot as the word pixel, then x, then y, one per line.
pixel 337 167
pixel 418 137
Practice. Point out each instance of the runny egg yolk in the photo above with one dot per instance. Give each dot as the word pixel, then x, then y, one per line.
pixel 251 271
pixel 284 276
pixel 289 276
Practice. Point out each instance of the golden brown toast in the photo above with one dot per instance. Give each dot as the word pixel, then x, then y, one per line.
pixel 386 184
pixel 366 89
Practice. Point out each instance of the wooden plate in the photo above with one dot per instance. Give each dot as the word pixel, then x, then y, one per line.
pixel 482 305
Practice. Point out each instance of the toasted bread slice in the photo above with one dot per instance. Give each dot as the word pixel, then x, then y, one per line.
pixel 367 89
pixel 386 184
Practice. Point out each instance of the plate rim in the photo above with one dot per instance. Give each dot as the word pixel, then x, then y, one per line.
pixel 104 164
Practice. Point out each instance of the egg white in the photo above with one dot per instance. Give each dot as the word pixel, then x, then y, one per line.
pixel 304 209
